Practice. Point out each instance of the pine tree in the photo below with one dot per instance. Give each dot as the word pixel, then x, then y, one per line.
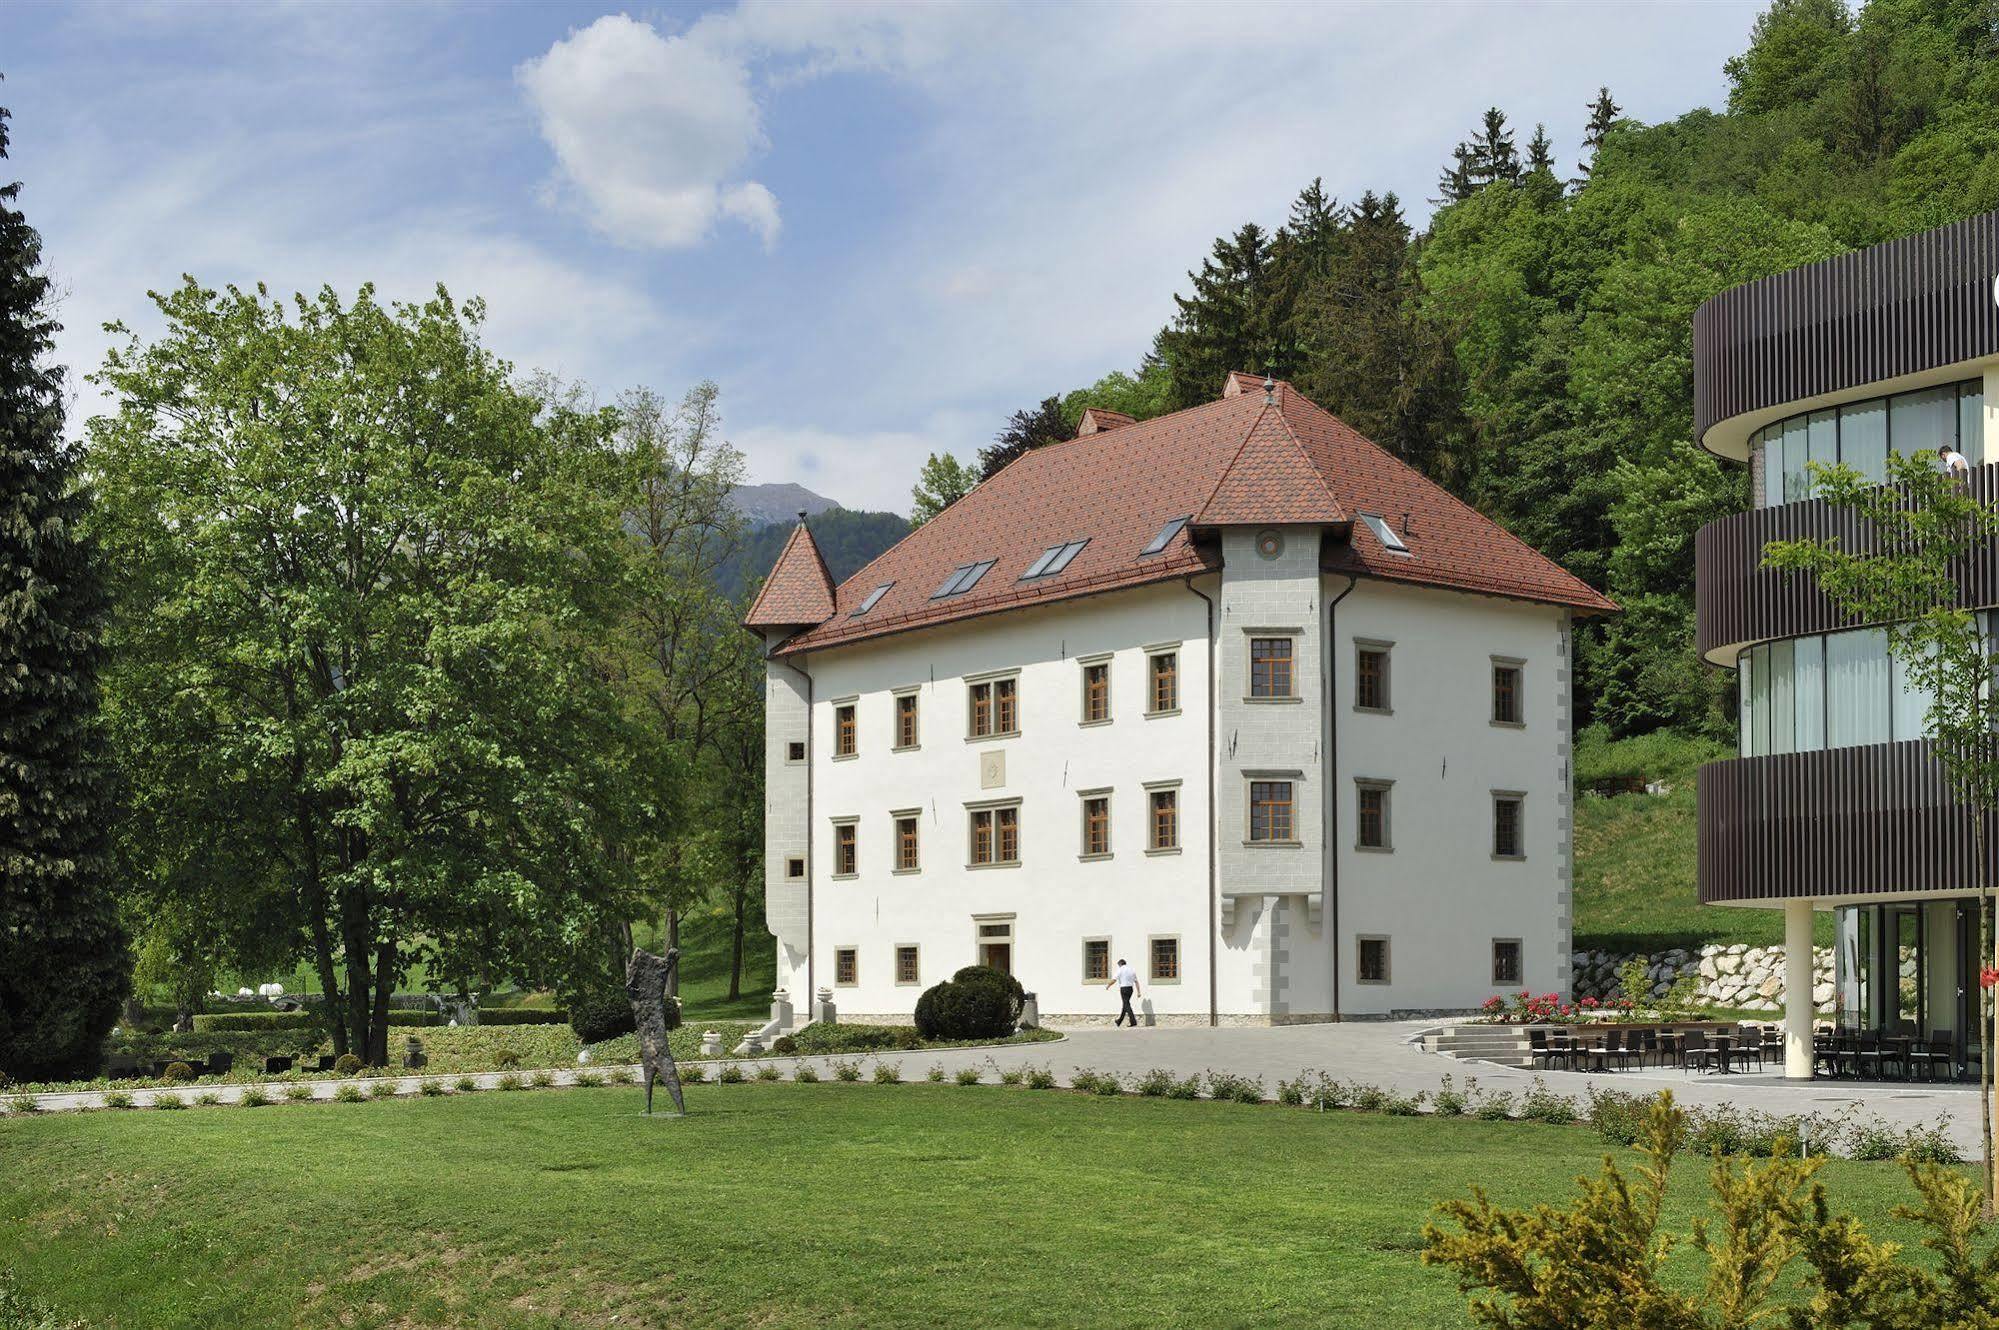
pixel 1022 431
pixel 1455 184
pixel 1493 157
pixel 64 967
pixel 1231 322
pixel 1603 113
pixel 1540 151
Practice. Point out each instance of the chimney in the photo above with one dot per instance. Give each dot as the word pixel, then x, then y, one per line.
pixel 1096 420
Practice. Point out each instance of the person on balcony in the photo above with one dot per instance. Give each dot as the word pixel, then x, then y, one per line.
pixel 1952 462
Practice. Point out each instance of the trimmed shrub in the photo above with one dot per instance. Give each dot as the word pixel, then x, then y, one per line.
pixel 731 1074
pixel 305 1019
pixel 298 1093
pixel 347 1064
pixel 824 1039
pixel 537 1016
pixel 177 1071
pixel 168 1099
pixel 784 1046
pixel 974 1007
pixel 350 1094
pixel 967 1076
pixel 768 1073
pixel 382 1090
pixel 805 1074
pixel 507 1057
pixel 887 1073
pixel 253 1096
pixel 599 1016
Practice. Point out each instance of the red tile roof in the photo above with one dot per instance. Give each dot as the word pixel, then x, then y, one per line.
pixel 1235 461
pixel 799 590
pixel 1097 419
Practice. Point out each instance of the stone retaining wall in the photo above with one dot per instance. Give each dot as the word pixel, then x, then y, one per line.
pixel 1744 977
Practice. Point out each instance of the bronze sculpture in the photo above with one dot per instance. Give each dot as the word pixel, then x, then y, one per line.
pixel 647 979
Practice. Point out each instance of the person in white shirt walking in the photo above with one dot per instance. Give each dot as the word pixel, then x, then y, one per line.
pixel 1952 462
pixel 1125 980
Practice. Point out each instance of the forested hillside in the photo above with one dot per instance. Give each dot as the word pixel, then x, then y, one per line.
pixel 1531 348
pixel 848 539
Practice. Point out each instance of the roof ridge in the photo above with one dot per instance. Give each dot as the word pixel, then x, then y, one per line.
pixel 800 538
pixel 1317 473
pixel 1300 454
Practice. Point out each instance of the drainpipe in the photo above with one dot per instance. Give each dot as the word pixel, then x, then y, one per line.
pixel 1214 953
pixel 1331 778
pixel 811 951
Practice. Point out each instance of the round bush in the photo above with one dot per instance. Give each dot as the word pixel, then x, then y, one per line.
pixel 986 974
pixel 599 1016
pixel 177 1071
pixel 347 1064
pixel 968 1006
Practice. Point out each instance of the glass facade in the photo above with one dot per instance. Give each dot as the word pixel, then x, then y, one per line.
pixel 1861 434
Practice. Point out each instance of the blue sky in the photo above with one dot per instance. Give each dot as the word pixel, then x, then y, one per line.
pixel 880 227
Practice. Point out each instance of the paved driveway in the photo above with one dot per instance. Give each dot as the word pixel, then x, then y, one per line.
pixel 1375 1052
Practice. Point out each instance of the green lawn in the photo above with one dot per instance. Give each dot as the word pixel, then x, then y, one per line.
pixel 1635 887
pixel 774 1205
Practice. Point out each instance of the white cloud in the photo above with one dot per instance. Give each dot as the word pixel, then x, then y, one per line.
pixel 651 133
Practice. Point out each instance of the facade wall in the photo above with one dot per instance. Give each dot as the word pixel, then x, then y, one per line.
pixel 1055 897
pixel 1438 894
pixel 787 801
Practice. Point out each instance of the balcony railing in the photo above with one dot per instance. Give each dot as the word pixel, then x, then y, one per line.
pixel 1839 822
pixel 1738 601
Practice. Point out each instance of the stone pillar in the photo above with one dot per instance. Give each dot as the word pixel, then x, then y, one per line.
pixel 780 1009
pixel 1798 990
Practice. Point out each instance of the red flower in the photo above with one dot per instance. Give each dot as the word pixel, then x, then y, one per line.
pixel 1988 977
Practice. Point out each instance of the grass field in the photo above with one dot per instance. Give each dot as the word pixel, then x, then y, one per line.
pixel 773 1205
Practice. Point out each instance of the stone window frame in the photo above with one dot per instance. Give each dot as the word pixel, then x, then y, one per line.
pixel 1519 962
pixel 851 706
pixel 1250 780
pixel 990 681
pixel 1152 789
pixel 1251 636
pixel 897 816
pixel 1518 666
pixel 851 824
pixel 913 697
pixel 1105 977
pixel 1360 943
pixel 1386 788
pixel 1084 799
pixel 916 954
pixel 1386 650
pixel 1152 942
pixel 1169 652
pixel 852 954
pixel 796 861
pixel 794 752
pixel 995 807
pixel 1086 664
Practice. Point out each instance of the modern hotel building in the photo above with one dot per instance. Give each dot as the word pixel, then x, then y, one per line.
pixel 1835 802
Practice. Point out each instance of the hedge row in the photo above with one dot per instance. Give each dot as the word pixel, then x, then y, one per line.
pixel 258 1021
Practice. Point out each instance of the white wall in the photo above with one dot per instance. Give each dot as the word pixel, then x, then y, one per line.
pixel 1438 894
pixel 1057 898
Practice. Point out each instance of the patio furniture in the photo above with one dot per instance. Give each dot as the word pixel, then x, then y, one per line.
pixel 1748 1046
pixel 1695 1055
pixel 1538 1051
pixel 1649 1048
pixel 1939 1051
pixel 1868 1056
pixel 1615 1048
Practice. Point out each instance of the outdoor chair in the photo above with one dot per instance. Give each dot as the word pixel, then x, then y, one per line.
pixel 1538 1051
pixel 1748 1046
pixel 1649 1048
pixel 1940 1051
pixel 1620 1048
pixel 1868 1058
pixel 1695 1055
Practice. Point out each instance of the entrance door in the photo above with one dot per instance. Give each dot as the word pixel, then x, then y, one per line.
pixel 995 939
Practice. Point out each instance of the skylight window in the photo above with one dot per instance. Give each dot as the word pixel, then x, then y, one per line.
pixel 1054 559
pixel 1384 533
pixel 874 598
pixel 962 579
pixel 1165 536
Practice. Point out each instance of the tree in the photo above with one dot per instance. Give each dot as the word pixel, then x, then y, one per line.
pixel 1456 184
pixel 1230 322
pixel 1493 158
pixel 1024 430
pixel 366 585
pixel 64 968
pixel 1603 113
pixel 943 481
pixel 1540 152
pixel 1920 526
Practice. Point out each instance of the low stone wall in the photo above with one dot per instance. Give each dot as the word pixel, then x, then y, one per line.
pixel 1744 977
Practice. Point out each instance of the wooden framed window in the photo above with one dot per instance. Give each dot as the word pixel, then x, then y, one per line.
pixel 1370 677
pixel 1096 692
pixel 1507 706
pixel 1096 960
pixel 844 730
pixel 1371 814
pixel 1270 661
pixel 846 966
pixel 1164 953
pixel 1164 669
pixel 907 971
pixel 1270 812
pixel 1372 960
pixel 906 860
pixel 846 848
pixel 1096 826
pixel 994 708
pixel 1165 820
pixel 1506 966
pixel 1508 833
pixel 906 732
pixel 996 835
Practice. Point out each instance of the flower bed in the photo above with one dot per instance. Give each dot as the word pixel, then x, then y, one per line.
pixel 1523 1008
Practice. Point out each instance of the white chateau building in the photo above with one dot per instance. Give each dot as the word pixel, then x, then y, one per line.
pixel 1231 694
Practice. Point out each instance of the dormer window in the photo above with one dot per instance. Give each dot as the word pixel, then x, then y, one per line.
pixel 1054 559
pixel 1384 533
pixel 874 598
pixel 962 579
pixel 1165 536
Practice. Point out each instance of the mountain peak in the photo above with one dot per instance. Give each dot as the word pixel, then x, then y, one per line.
pixel 765 505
